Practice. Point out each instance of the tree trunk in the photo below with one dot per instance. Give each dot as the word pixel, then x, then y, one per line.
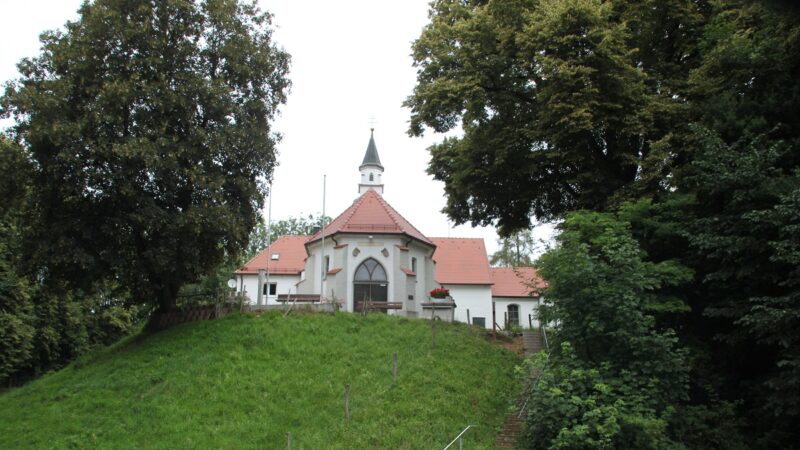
pixel 167 297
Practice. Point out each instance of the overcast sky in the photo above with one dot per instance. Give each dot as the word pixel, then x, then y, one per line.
pixel 350 63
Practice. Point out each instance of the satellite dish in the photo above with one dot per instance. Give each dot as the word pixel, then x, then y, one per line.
pixel 232 283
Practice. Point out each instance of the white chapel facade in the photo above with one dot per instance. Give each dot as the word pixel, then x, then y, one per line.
pixel 371 253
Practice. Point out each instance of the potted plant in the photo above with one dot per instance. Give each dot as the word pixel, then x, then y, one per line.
pixel 440 293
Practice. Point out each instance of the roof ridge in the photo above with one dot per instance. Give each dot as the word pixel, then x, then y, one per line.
pixel 388 209
pixel 401 216
pixel 350 209
pixel 463 238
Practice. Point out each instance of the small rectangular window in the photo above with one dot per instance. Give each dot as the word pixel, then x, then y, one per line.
pixel 411 297
pixel 414 265
pixel 275 256
pixel 273 289
pixel 480 321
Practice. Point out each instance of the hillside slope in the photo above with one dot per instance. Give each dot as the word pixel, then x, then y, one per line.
pixel 245 381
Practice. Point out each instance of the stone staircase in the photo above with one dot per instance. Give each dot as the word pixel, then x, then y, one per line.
pixel 514 424
pixel 532 342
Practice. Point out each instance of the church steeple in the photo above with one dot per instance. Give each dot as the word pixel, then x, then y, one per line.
pixel 371 168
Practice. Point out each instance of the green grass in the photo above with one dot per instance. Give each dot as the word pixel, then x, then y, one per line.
pixel 245 381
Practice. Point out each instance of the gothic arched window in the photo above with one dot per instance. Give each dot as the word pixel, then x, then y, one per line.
pixel 370 283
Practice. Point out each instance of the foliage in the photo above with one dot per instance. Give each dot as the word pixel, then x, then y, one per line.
pixel 148 124
pixel 604 296
pixel 579 406
pixel 679 118
pixel 45 326
pixel 563 104
pixel 246 381
pixel 294 226
pixel 515 250
pixel 614 376
pixel 16 331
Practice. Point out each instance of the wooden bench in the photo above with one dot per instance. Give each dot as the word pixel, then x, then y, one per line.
pixel 298 298
pixel 379 306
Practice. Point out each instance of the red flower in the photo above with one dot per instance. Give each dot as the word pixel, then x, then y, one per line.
pixel 440 293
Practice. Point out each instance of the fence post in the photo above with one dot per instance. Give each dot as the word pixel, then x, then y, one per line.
pixel 433 331
pixel 494 323
pixel 289 441
pixel 469 322
pixel 347 404
pixel 530 322
pixel 394 368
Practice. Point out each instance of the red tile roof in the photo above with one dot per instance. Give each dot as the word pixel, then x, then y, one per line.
pixel 516 282
pixel 291 257
pixel 461 261
pixel 371 214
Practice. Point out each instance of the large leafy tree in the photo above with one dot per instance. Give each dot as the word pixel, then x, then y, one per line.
pixel 148 125
pixel 16 308
pixel 679 116
pixel 614 374
pixel 563 104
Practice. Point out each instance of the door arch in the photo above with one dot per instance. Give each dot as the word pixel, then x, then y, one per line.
pixel 370 283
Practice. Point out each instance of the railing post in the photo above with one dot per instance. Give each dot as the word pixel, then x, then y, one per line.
pixel 494 322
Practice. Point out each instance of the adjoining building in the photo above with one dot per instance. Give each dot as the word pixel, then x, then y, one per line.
pixel 371 253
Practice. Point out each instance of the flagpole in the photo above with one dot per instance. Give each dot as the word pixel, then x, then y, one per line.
pixel 322 257
pixel 269 239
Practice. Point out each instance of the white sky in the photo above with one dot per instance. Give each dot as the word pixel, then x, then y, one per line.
pixel 350 62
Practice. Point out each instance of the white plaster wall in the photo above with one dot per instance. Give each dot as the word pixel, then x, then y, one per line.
pixel 526 306
pixel 420 285
pixel 286 285
pixel 399 282
pixel 476 298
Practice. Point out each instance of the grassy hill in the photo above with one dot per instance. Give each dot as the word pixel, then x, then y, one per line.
pixel 246 380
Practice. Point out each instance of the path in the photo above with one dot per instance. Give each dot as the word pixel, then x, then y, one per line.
pixel 515 421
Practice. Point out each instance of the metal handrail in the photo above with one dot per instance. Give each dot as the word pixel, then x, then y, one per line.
pixel 544 335
pixel 458 438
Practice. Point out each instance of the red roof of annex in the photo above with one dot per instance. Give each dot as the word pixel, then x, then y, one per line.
pixel 291 257
pixel 461 261
pixel 516 282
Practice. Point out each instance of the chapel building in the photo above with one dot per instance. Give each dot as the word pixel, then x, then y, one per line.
pixel 371 253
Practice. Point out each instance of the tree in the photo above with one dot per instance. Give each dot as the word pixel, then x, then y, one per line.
pixel 563 104
pixel 680 118
pixel 303 225
pixel 515 250
pixel 148 124
pixel 614 374
pixel 16 308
